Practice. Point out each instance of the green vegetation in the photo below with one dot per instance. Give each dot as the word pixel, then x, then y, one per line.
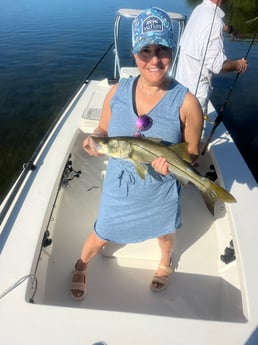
pixel 243 15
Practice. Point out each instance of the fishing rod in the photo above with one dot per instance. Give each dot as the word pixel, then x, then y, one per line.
pixel 98 62
pixel 252 20
pixel 219 117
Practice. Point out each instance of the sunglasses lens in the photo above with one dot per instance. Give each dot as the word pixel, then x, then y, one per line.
pixel 143 122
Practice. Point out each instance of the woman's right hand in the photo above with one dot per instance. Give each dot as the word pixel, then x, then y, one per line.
pixel 90 147
pixel 160 165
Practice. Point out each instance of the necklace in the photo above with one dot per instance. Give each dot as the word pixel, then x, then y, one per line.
pixel 148 93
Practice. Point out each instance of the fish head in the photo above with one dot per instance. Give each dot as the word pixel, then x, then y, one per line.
pixel 117 148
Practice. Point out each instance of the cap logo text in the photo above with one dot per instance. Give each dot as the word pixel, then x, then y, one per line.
pixel 152 24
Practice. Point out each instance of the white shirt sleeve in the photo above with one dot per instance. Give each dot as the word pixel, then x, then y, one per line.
pixel 215 55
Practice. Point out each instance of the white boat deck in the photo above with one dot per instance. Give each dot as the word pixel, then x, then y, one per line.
pixel 202 287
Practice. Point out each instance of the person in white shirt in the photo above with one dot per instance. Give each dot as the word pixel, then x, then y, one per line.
pixel 202 51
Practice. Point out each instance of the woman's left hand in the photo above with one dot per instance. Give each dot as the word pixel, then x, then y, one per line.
pixel 160 165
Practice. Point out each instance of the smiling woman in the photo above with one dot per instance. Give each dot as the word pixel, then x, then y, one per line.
pixel 175 116
pixel 46 49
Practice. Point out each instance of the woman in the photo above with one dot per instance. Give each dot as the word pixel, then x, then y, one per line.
pixel 132 209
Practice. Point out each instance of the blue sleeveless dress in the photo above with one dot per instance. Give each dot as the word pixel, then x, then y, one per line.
pixel 132 209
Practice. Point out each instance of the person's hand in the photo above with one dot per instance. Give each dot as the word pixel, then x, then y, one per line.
pixel 231 30
pixel 90 147
pixel 242 65
pixel 160 165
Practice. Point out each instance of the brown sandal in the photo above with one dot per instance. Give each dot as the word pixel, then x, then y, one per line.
pixel 161 280
pixel 79 282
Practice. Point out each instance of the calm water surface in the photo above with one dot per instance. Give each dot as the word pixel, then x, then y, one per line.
pixel 48 47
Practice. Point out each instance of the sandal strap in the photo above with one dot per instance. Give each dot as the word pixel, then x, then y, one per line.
pixel 79 273
pixel 83 264
pixel 167 269
pixel 78 286
pixel 160 279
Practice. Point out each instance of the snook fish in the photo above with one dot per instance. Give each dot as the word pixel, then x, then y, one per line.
pixel 142 151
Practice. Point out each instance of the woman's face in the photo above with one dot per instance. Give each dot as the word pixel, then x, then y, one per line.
pixel 154 62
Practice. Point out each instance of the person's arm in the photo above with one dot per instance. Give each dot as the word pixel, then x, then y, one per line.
pixel 192 124
pixel 106 112
pixel 235 65
pixel 102 128
pixel 216 61
pixel 191 117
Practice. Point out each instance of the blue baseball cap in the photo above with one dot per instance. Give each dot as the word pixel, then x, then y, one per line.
pixel 152 26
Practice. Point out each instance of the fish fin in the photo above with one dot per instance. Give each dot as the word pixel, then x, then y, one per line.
pixel 223 194
pixel 181 151
pixel 210 199
pixel 216 192
pixel 140 169
pixel 182 180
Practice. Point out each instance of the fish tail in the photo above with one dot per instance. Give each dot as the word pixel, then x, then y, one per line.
pixel 214 193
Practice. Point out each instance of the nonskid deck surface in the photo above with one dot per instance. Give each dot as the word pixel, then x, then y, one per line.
pixel 202 287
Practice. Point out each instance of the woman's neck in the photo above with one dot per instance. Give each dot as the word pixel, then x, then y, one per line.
pixel 152 90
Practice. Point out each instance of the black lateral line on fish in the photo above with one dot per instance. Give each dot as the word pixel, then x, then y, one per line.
pixel 183 171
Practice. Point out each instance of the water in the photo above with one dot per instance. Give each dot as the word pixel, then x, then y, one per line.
pixel 48 47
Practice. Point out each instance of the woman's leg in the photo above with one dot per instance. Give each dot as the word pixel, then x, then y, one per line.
pixel 91 248
pixel 166 244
